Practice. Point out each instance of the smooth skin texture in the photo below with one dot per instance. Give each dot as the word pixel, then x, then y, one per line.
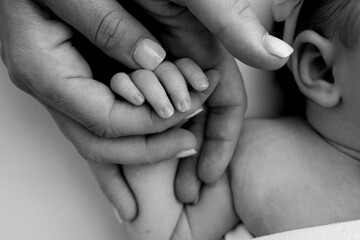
pixel 167 79
pixel 283 176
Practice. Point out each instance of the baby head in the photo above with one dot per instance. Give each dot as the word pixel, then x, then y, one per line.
pixel 326 64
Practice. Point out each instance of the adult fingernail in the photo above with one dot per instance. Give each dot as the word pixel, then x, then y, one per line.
pixel 185 105
pixel 186 153
pixel 277 47
pixel 149 54
pixel 195 113
pixel 167 111
pixel 117 215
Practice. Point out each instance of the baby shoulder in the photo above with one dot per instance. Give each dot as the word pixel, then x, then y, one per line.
pixel 273 138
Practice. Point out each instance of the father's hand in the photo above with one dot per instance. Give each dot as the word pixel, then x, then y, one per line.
pixel 38 52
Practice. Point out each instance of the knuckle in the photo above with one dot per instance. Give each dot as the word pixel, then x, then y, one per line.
pixel 97 129
pixel 160 96
pixel 111 30
pixel 243 11
pixel 19 79
pixel 142 75
pixel 165 68
pixel 178 89
pixel 184 62
pixel 84 152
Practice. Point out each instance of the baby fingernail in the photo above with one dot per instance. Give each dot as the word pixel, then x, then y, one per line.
pixel 277 47
pixel 148 54
pixel 186 153
pixel 117 215
pixel 139 99
pixel 167 111
pixel 195 113
pixel 185 105
pixel 203 83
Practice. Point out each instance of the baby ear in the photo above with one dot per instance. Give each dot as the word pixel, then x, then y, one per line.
pixel 312 66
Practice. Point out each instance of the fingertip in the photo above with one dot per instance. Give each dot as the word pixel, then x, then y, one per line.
pixel 138 99
pixel 214 78
pixel 187 184
pixel 122 85
pixel 277 47
pixel 166 112
pixel 186 190
pixel 188 140
pixel 202 84
pixel 127 211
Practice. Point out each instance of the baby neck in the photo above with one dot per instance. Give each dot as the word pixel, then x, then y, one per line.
pixel 353 153
pixel 336 127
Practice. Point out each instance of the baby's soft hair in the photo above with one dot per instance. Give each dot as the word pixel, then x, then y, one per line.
pixel 332 18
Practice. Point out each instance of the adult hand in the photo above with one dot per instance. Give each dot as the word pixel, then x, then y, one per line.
pixel 36 47
pixel 235 24
pixel 184 36
pixel 38 51
pixel 189 29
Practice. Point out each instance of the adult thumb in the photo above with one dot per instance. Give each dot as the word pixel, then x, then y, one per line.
pixel 235 24
pixel 110 27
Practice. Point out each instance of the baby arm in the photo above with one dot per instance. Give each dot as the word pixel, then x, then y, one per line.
pixel 162 217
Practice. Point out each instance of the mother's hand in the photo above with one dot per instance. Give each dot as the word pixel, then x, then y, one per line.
pixel 38 51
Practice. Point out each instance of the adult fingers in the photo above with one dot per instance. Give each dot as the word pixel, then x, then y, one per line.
pixel 226 109
pixel 187 183
pixel 110 27
pixel 113 185
pixel 237 27
pixel 126 150
pixel 42 60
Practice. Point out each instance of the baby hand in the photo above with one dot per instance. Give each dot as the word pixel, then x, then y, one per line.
pixel 167 79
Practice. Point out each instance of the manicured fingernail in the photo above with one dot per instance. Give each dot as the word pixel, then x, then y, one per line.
pixel 117 215
pixel 149 54
pixel 186 153
pixel 195 113
pixel 167 111
pixel 203 83
pixel 277 47
pixel 185 105
pixel 139 99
